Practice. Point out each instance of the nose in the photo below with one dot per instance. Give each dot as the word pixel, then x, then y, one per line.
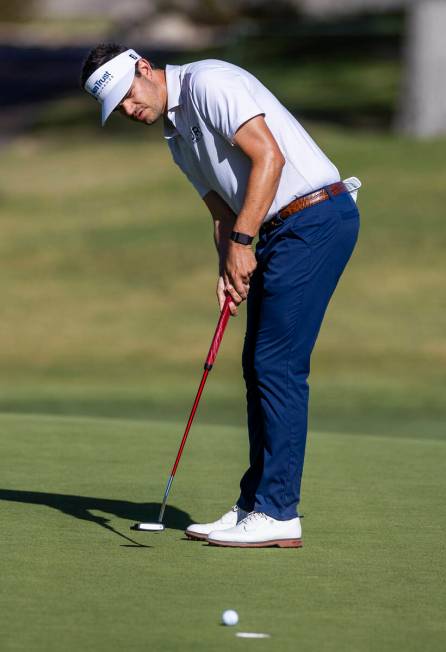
pixel 127 108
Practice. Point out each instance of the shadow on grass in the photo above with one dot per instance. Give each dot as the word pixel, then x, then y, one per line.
pixel 81 507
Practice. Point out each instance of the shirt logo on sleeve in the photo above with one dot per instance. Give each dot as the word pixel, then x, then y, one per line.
pixel 196 134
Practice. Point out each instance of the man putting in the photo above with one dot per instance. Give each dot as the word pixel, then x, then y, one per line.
pixel 259 173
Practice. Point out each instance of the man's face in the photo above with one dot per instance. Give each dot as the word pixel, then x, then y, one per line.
pixel 146 99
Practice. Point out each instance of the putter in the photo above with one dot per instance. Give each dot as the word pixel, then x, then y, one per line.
pixel 215 345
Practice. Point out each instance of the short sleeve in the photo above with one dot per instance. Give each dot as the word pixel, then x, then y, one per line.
pixel 224 100
pixel 186 160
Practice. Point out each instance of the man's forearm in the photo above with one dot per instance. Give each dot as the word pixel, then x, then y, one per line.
pixel 222 230
pixel 262 187
pixel 224 219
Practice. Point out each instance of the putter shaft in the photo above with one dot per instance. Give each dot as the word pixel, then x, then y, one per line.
pixel 166 494
pixel 215 344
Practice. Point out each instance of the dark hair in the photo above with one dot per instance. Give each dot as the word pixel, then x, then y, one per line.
pixel 100 55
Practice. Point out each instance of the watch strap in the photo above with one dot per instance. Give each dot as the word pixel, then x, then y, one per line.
pixel 241 238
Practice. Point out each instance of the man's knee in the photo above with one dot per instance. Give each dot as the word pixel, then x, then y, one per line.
pixel 267 365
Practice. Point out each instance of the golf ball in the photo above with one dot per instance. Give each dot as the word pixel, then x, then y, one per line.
pixel 229 617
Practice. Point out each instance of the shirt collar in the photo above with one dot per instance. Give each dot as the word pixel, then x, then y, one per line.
pixel 169 129
pixel 173 82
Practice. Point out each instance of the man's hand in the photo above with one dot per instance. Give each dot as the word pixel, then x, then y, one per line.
pixel 221 296
pixel 239 266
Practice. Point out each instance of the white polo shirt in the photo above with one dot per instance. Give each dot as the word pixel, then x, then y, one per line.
pixel 207 102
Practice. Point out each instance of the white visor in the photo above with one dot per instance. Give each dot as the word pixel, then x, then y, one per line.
pixel 109 83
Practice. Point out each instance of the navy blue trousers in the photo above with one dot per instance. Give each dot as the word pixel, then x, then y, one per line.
pixel 298 267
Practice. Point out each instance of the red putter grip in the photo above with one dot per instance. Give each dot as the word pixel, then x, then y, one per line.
pixel 218 335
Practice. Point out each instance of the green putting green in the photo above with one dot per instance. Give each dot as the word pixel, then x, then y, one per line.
pixel 369 577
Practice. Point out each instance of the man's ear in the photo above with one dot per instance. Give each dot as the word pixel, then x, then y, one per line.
pixel 144 68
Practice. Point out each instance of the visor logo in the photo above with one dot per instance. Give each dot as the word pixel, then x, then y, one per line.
pixel 102 82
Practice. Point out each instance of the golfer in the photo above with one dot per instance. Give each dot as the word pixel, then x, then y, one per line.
pixel 259 174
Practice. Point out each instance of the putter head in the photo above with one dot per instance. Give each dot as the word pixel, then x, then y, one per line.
pixel 148 527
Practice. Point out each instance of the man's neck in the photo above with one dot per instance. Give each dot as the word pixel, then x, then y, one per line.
pixel 160 77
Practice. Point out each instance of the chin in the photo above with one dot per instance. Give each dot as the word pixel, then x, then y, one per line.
pixel 150 121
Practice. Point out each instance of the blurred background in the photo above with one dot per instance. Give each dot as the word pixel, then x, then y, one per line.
pixel 108 269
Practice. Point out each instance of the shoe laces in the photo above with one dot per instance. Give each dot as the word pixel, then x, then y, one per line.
pixel 253 516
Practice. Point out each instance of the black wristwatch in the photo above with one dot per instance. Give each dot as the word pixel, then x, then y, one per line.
pixel 241 238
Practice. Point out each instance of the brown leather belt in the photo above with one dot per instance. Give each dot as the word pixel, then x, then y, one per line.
pixel 300 203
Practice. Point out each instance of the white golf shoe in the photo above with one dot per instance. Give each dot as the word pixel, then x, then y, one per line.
pixel 258 530
pixel 228 520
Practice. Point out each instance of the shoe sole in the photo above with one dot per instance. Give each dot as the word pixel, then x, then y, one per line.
pixel 196 537
pixel 279 543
